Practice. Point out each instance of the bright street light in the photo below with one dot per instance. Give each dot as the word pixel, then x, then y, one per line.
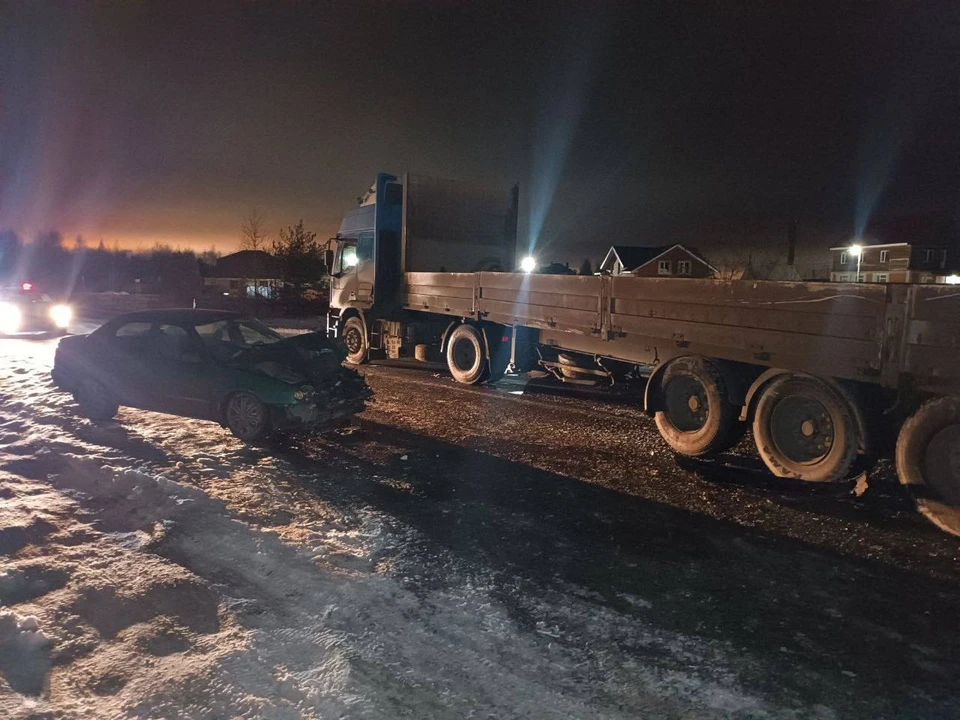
pixel 857 251
pixel 953 280
pixel 528 264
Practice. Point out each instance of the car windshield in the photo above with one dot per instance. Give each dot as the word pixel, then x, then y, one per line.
pixel 225 339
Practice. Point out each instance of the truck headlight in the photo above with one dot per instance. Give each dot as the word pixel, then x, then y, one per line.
pixel 61 315
pixel 304 393
pixel 9 318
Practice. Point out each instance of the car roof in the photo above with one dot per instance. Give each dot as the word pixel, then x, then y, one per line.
pixel 178 316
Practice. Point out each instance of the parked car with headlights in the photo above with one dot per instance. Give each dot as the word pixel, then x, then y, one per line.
pixel 210 365
pixel 25 309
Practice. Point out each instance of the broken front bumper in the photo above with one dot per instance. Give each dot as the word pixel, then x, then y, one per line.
pixel 313 416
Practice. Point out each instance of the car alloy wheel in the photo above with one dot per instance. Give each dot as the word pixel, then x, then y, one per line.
pixel 247 416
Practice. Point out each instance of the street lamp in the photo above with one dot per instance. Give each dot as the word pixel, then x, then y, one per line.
pixel 857 251
pixel 528 264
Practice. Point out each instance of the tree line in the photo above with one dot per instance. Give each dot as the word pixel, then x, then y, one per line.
pixel 50 262
pixel 64 268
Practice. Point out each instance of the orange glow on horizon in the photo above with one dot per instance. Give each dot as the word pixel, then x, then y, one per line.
pixel 222 243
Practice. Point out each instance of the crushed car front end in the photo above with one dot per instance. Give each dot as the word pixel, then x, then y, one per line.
pixel 317 408
pixel 322 391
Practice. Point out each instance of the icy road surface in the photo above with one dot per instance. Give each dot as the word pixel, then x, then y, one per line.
pixel 472 553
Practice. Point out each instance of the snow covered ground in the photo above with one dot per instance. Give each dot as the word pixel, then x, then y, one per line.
pixel 157 567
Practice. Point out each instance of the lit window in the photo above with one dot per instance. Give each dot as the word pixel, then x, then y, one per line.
pixel 881 277
pixel 663 268
pixel 684 267
pixel 884 256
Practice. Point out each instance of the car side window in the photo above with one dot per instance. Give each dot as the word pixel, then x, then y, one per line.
pixel 173 342
pixel 133 337
pixel 133 329
pixel 216 338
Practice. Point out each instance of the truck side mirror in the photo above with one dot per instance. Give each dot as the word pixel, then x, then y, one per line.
pixel 328 261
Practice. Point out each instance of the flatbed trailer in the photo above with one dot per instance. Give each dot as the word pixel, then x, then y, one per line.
pixel 824 373
pixel 884 335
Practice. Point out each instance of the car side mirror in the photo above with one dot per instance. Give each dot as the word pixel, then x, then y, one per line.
pixel 328 261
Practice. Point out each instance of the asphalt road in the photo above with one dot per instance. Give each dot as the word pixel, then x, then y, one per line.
pixel 624 568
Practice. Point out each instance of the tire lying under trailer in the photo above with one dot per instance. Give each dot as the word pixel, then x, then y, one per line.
pixel 804 427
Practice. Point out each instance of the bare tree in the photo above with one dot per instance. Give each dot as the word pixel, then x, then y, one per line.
pixel 253 235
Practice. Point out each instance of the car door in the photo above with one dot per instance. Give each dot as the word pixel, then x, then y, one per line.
pixel 119 360
pixel 181 375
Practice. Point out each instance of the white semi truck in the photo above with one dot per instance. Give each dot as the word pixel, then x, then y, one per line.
pixel 822 372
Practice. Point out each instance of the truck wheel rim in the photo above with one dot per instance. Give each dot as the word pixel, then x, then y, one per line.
pixel 802 429
pixel 353 341
pixel 942 464
pixel 245 415
pixel 464 355
pixel 686 403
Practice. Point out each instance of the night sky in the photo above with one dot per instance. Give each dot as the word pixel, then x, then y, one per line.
pixel 712 124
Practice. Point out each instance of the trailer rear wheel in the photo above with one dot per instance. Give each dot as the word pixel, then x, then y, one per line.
pixel 805 429
pixel 696 417
pixel 928 461
pixel 465 355
pixel 355 338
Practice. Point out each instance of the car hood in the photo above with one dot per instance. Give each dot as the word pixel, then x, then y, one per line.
pixel 311 357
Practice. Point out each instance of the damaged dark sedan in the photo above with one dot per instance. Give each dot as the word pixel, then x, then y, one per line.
pixel 211 365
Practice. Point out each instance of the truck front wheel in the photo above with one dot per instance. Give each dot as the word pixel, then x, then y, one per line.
pixel 696 417
pixel 928 461
pixel 465 356
pixel 355 338
pixel 805 429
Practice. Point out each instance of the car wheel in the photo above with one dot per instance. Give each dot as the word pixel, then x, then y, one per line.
pixel 247 417
pixel 95 400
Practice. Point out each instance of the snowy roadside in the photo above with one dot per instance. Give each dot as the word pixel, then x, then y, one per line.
pixel 157 567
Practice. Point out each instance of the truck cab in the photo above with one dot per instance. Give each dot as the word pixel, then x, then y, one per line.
pixel 363 258
pixel 414 225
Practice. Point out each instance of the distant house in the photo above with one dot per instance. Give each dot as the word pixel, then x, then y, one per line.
pixel 661 261
pixel 902 262
pixel 906 249
pixel 246 274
